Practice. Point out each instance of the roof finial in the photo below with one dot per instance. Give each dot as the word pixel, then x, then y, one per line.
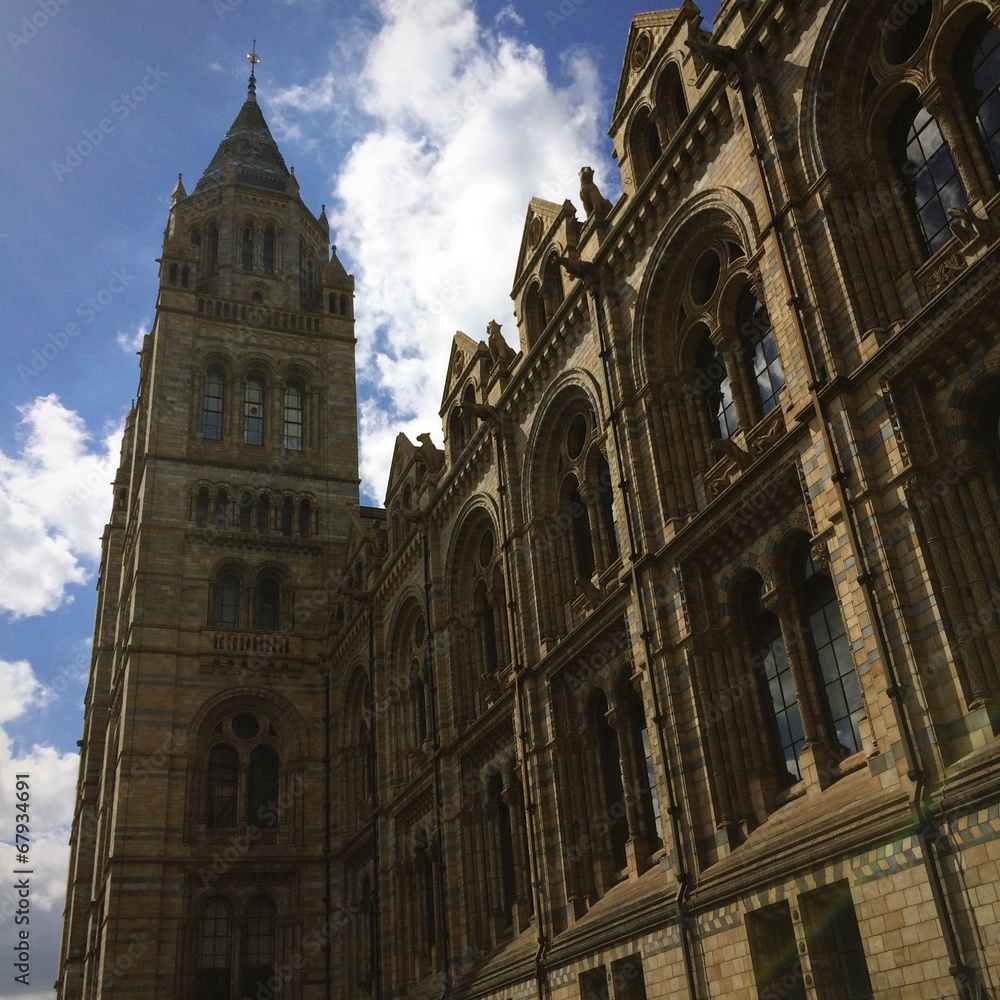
pixel 253 59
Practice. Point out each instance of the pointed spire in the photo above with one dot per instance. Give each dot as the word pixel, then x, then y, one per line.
pixel 178 192
pixel 249 147
pixel 323 220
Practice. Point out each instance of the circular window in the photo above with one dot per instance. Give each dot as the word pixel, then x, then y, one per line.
pixel 905 29
pixel 486 548
pixel 576 436
pixel 245 726
pixel 705 277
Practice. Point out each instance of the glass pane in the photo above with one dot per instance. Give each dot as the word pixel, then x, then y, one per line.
pixel 212 423
pixel 253 418
pixel 262 802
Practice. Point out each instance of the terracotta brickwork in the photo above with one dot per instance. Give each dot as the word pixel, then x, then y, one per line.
pixel 675 672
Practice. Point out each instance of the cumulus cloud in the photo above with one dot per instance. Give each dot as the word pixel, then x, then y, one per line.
pixel 54 501
pixel 51 780
pixel 130 341
pixel 284 106
pixel 465 127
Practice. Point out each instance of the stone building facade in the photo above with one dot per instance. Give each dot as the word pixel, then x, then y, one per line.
pixel 676 673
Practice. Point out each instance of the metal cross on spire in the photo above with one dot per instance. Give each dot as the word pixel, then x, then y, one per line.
pixel 253 59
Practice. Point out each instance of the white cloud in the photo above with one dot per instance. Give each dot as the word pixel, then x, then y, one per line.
pixel 284 105
pixel 54 501
pixel 465 128
pixel 131 341
pixel 509 13
pixel 51 796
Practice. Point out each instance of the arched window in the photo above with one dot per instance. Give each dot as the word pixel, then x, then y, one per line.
pixel 644 146
pixel 832 650
pixel 612 807
pixel 269 248
pixel 671 105
pixel 263 513
pixel 201 507
pixel 535 316
pixel 246 510
pixel 305 519
pixel 287 516
pixel 552 286
pixel 487 628
pixel 583 545
pixel 926 167
pixel 605 502
pixel 268 603
pixel 259 947
pixel 172 274
pixel 292 431
pixel 977 70
pixel 246 251
pixel 505 843
pixel 774 675
pixel 213 246
pixel 718 391
pixel 213 406
pixel 253 412
pixel 649 803
pixel 223 769
pixel 214 973
pixel 757 333
pixel 185 276
pixel 221 508
pixel 262 787
pixel 229 603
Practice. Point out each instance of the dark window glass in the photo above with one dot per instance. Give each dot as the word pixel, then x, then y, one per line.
pixel 258 950
pixel 213 954
pixel 269 241
pixel 229 602
pixel 293 417
pixel 220 812
pixel 977 68
pixel 287 516
pixel 583 545
pixel 611 776
pixel 775 675
pixel 777 967
pixel 926 163
pixel 262 788
pixel 648 802
pixel 757 333
pixel 253 414
pixel 269 597
pixel 833 653
pixel 213 246
pixel 214 393
pixel 606 503
pixel 305 518
pixel 264 513
pixel 836 951
pixel 201 508
pixel 717 391
pixel 247 249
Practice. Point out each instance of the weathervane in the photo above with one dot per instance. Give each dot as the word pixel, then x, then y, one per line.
pixel 253 59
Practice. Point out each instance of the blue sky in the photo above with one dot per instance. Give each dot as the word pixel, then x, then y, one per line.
pixel 424 125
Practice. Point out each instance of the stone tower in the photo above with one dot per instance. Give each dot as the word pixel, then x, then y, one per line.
pixel 197 864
